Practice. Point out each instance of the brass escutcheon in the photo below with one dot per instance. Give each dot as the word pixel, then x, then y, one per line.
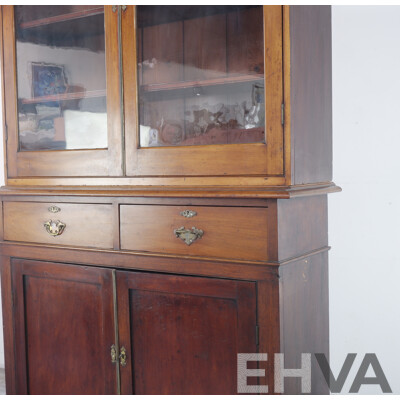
pixel 188 213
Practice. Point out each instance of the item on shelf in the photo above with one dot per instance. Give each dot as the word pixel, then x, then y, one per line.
pixel 253 116
pixel 48 79
pixel 171 132
pixel 48 111
pixel 27 122
pixel 148 63
pixel 153 137
pixel 86 130
pixel 37 139
pixel 144 135
pixel 205 120
pixel 148 136
pixel 225 136
pixel 207 124
pixel 37 129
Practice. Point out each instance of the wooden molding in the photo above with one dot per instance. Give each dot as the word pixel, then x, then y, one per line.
pixel 261 192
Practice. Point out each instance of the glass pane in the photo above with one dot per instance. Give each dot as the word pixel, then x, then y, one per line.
pixel 201 75
pixel 61 77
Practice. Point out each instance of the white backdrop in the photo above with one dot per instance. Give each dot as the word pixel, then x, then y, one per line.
pixel 365 218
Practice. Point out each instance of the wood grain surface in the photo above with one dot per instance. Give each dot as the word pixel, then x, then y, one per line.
pixel 64 326
pixel 182 334
pixel 229 232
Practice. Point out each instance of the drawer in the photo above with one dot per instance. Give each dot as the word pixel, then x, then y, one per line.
pixel 228 232
pixel 87 225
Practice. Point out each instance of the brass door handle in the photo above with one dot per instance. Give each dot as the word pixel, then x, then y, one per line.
pixel 113 353
pixel 122 357
pixel 188 235
pixel 54 228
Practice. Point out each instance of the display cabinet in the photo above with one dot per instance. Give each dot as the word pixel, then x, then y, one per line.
pixel 165 206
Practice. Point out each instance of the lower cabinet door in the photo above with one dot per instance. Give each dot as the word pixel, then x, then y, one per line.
pixel 181 335
pixel 64 327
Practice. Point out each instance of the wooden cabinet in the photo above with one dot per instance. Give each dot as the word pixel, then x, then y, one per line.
pixel 176 334
pixel 100 91
pixel 165 206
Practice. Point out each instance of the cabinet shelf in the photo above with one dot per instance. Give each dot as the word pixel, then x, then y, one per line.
pixel 62 17
pixel 66 96
pixel 157 87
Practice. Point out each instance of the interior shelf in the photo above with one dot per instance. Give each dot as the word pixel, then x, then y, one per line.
pixel 156 87
pixel 62 17
pixel 66 96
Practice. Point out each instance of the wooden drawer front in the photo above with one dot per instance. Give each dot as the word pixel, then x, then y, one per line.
pixel 87 225
pixel 229 232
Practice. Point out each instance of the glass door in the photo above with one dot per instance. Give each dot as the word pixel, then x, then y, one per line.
pixel 203 90
pixel 62 67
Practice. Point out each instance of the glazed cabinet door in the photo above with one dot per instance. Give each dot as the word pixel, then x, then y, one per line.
pixel 64 327
pixel 62 91
pixel 181 335
pixel 203 90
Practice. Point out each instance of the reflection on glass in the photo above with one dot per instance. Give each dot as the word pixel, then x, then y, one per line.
pixel 201 75
pixel 61 78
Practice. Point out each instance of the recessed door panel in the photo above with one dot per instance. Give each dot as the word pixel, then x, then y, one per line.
pixel 64 329
pixel 182 334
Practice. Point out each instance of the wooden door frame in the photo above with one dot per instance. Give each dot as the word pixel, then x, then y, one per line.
pixel 254 160
pixel 43 269
pixel 59 163
pixel 242 292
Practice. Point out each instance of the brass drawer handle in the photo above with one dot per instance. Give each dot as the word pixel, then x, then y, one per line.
pixel 54 228
pixel 188 235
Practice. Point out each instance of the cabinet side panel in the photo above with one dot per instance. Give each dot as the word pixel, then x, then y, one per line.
pixel 311 93
pixel 1 221
pixel 302 226
pixel 305 318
